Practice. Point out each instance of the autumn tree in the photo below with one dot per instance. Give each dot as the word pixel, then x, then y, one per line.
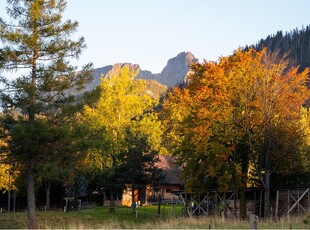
pixel 119 102
pixel 282 92
pixel 198 126
pixel 4 164
pixel 243 110
pixel 294 168
pixel 261 87
pixel 37 41
pixel 8 171
pixel 242 70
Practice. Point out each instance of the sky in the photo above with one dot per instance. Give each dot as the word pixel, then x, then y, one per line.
pixel 150 32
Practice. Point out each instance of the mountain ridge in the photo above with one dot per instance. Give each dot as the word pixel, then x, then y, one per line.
pixel 296 43
pixel 173 74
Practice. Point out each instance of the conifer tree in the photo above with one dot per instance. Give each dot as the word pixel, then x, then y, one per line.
pixel 37 40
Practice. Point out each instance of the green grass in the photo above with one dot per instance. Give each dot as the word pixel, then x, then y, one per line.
pixel 100 218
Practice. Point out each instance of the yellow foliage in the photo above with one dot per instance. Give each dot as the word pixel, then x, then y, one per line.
pixel 305 123
pixel 7 177
pixel 122 103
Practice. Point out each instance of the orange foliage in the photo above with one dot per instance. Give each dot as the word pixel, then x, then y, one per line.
pixel 227 103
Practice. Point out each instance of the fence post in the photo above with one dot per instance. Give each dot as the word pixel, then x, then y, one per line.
pixel 277 204
pixel 253 221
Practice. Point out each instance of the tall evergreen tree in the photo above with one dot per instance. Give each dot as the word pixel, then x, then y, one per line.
pixel 137 166
pixel 37 40
pixel 293 45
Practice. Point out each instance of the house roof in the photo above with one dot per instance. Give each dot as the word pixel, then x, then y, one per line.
pixel 77 189
pixel 170 170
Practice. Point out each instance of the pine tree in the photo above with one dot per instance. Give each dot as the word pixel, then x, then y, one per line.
pixel 37 41
pixel 293 45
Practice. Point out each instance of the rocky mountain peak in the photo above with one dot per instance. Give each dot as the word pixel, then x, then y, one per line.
pixel 176 70
pixel 174 73
pixel 181 58
pixel 108 71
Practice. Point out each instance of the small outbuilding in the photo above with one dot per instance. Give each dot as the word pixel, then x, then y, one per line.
pixel 163 190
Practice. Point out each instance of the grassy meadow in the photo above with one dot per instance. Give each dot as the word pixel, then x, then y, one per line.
pixel 145 218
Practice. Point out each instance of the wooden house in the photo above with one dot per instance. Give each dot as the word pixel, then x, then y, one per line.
pixel 163 190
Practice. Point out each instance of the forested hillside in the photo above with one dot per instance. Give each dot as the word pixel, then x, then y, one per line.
pixel 294 44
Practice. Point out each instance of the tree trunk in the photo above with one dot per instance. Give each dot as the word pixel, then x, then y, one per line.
pixel 235 203
pixel 244 180
pixel 76 194
pixel 48 186
pixel 267 145
pixel 14 200
pixel 242 214
pixel 267 194
pixel 104 198
pixel 159 203
pixel 133 203
pixel 112 207
pixel 31 201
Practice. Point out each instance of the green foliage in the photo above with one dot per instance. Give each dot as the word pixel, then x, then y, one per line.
pixel 38 42
pixel 137 162
pixel 293 46
pixel 30 139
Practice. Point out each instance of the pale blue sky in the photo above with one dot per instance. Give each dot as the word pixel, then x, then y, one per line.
pixel 149 32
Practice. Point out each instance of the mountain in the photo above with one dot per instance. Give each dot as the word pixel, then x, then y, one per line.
pixel 174 73
pixel 294 45
pixel 106 71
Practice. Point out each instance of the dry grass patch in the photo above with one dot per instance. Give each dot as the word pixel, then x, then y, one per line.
pixel 100 219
